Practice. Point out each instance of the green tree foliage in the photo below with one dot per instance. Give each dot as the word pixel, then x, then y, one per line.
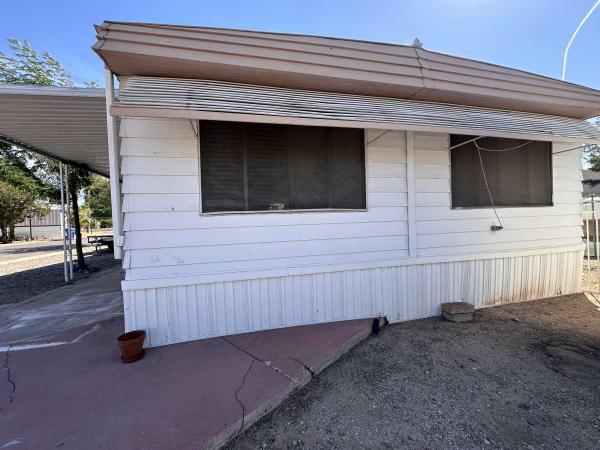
pixel 20 168
pixel 97 198
pixel 26 66
pixel 85 218
pixel 15 205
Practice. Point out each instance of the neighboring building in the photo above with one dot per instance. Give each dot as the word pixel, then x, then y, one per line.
pixel 46 227
pixel 591 183
pixel 272 180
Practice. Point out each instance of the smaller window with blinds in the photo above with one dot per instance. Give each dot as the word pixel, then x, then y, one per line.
pixel 263 167
pixel 512 172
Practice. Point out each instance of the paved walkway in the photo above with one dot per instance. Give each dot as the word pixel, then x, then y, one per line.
pixel 68 388
pixel 85 302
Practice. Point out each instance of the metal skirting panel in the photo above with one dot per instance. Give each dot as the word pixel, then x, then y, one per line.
pixel 234 98
pixel 189 312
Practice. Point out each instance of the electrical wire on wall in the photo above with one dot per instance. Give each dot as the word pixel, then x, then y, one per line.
pixel 487 186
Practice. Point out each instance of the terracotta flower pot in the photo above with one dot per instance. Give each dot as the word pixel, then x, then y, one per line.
pixel 131 345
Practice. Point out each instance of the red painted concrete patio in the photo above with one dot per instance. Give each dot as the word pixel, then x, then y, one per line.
pixel 192 395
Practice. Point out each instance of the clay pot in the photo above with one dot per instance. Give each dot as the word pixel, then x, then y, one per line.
pixel 131 345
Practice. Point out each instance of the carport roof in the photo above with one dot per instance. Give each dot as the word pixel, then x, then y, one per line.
pixel 68 124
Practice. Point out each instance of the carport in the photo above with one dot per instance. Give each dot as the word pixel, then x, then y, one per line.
pixel 68 124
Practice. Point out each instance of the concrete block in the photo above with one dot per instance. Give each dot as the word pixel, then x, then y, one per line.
pixel 458 311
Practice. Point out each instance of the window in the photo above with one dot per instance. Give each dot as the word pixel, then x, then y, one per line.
pixel 260 167
pixel 519 176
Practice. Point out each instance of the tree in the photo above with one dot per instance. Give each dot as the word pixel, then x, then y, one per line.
pixel 78 179
pixel 16 171
pixel 591 154
pixel 15 204
pixel 97 197
pixel 27 67
pixel 85 218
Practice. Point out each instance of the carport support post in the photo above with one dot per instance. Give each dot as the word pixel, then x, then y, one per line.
pixel 70 242
pixel 62 221
pixel 113 160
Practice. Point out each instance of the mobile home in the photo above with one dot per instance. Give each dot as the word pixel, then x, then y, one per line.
pixel 265 180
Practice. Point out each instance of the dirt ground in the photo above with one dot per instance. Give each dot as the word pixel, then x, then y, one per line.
pixel 519 376
pixel 590 275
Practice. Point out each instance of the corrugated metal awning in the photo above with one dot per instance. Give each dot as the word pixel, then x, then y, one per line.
pixel 320 63
pixel 216 100
pixel 68 124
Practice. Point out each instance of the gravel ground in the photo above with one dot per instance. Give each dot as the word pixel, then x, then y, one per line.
pixel 23 279
pixel 589 276
pixel 518 376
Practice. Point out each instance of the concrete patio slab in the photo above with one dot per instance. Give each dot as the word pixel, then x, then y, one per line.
pixel 191 395
pixel 84 302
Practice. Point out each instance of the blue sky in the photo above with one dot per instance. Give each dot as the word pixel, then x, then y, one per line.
pixel 525 34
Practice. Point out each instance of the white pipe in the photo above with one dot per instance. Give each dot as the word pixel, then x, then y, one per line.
pixel 587 16
pixel 113 160
pixel 466 142
pixel 62 221
pixel 70 244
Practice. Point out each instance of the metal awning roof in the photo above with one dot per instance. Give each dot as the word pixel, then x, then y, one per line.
pixel 329 64
pixel 217 100
pixel 68 124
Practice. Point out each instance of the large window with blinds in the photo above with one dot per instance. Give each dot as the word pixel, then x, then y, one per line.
pixel 500 172
pixel 263 167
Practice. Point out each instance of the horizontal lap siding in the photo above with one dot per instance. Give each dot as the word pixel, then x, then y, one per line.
pixel 166 234
pixel 442 230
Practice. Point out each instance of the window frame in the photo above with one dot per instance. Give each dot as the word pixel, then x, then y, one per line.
pixel 197 128
pixel 550 205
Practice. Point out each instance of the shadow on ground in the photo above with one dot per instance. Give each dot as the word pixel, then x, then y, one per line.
pixel 19 286
pixel 17 250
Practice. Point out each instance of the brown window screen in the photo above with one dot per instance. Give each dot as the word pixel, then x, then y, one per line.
pixel 519 177
pixel 259 167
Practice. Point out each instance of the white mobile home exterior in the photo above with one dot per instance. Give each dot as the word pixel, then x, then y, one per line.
pixel 191 274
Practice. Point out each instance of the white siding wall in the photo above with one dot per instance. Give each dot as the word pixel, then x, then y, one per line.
pixel 166 235
pixel 442 230
pixel 190 275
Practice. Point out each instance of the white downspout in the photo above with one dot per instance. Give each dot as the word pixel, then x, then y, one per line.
pixel 113 160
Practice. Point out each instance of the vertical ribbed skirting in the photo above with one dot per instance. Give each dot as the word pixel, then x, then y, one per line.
pixel 196 311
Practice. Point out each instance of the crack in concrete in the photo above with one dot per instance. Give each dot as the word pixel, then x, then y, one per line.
pixel 268 361
pixel 307 368
pixel 11 395
pixel 237 399
pixel 268 364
